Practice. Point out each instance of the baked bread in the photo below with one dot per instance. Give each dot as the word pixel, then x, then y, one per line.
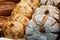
pixel 41 26
pixel 33 3
pixel 3 20
pixel 21 18
pixel 48 10
pixel 6 8
pixel 25 8
pixel 16 27
pixel 13 29
pixel 50 2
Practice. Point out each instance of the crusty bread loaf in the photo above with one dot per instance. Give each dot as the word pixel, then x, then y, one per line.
pixel 3 20
pixel 21 18
pixel 23 8
pixel 6 8
pixel 26 7
pixel 15 28
pixel 42 26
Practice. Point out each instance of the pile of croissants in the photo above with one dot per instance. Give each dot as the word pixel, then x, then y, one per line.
pixel 29 19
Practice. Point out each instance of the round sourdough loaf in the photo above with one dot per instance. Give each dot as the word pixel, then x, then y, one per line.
pixel 42 27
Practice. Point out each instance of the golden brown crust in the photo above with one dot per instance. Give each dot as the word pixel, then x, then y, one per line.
pixel 3 19
pixel 23 8
pixel 6 8
pixel 33 3
pixel 13 29
pixel 21 18
pixel 26 8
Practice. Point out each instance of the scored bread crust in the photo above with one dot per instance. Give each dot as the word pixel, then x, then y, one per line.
pixel 47 10
pixel 49 24
pixel 42 25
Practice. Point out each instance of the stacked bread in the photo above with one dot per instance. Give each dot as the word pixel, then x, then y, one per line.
pixel 30 19
pixel 20 16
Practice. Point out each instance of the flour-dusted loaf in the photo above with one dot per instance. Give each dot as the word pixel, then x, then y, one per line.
pixel 51 2
pixel 48 10
pixel 25 8
pixel 42 25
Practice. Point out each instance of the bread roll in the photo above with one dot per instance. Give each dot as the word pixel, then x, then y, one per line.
pixel 24 7
pixel 13 29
